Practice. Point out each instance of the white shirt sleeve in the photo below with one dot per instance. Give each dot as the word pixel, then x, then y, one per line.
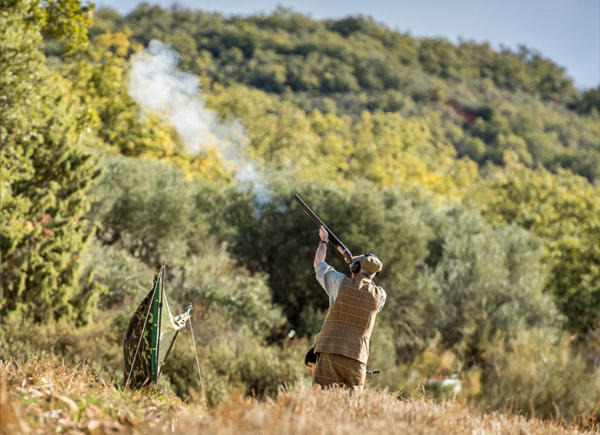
pixel 382 300
pixel 330 280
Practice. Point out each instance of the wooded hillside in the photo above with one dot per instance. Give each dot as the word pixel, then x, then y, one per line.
pixel 499 101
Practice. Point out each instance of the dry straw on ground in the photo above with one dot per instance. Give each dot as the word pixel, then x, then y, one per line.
pixel 46 396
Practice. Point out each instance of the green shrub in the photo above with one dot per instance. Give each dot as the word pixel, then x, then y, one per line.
pixel 122 275
pixel 214 282
pixel 487 281
pixel 146 207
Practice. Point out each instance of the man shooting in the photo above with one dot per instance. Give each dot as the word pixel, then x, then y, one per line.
pixel 343 344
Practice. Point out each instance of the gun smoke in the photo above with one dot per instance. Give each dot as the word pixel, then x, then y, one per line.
pixel 158 86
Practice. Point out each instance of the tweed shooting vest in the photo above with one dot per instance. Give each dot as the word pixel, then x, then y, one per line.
pixel 350 320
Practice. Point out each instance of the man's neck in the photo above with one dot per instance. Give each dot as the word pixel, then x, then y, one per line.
pixel 360 276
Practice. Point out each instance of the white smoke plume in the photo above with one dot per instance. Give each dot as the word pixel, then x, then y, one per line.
pixel 157 85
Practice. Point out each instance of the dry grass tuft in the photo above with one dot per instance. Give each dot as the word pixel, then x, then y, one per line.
pixel 49 396
pixel 303 409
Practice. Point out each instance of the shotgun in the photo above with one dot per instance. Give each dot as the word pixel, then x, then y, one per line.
pixel 332 237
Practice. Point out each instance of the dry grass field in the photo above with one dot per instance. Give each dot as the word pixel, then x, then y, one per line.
pixel 47 396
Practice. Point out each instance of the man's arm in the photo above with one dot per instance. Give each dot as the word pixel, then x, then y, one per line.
pixel 322 249
pixel 326 275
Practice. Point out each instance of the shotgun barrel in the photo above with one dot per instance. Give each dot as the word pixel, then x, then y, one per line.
pixel 332 237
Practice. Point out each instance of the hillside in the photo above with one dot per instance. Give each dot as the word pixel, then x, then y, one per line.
pixel 45 396
pixel 489 101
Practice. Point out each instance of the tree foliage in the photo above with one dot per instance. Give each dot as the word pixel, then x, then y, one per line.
pixel 564 210
pixel 45 174
pixel 385 148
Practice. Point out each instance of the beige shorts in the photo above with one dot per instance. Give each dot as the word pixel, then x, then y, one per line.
pixel 334 369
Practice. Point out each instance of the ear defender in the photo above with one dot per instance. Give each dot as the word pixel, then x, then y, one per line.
pixel 355 268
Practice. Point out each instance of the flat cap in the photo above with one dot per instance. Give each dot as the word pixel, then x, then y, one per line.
pixel 369 262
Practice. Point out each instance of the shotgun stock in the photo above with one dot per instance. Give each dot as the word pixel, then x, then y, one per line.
pixel 332 237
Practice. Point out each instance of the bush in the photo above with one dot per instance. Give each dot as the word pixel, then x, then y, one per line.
pixel 122 275
pixel 487 281
pixel 146 207
pixel 538 374
pixel 232 360
pixel 98 344
pixel 215 283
